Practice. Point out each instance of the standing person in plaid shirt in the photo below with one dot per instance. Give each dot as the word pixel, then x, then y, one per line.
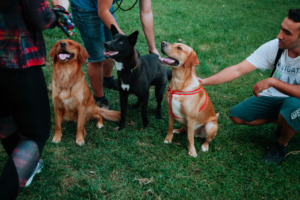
pixel 24 103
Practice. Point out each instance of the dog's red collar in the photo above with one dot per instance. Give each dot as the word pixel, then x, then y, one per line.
pixel 171 92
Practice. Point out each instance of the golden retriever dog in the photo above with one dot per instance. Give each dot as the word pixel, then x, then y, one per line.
pixel 71 95
pixel 188 102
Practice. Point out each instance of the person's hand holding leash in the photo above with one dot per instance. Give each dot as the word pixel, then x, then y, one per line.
pixel 64 18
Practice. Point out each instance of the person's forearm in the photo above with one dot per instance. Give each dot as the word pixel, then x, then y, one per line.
pixel 223 76
pixel 148 28
pixel 286 88
pixel 105 15
pixel 146 17
pixel 229 73
pixel 108 19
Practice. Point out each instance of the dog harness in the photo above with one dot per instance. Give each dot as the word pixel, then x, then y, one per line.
pixel 172 92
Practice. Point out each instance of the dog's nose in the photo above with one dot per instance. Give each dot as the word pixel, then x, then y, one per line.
pixel 63 44
pixel 163 44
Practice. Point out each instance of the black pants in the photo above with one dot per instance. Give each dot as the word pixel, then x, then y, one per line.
pixel 24 125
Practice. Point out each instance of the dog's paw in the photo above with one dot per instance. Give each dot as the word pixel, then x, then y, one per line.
pixel 145 123
pixel 193 154
pixel 99 125
pixel 121 125
pixel 80 142
pixel 158 116
pixel 176 131
pixel 167 141
pixel 56 139
pixel 204 147
pixel 135 106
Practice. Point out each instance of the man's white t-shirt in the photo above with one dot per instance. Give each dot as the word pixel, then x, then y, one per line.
pixel 287 69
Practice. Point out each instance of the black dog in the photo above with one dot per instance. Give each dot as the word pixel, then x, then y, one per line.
pixel 136 73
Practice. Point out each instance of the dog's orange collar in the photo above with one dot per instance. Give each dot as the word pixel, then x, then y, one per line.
pixel 171 92
pixel 132 69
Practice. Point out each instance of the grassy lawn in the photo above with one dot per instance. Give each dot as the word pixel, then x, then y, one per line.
pixel 135 163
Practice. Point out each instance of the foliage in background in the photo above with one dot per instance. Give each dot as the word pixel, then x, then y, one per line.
pixel 135 163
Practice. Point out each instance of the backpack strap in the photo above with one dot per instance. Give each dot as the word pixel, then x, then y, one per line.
pixel 279 52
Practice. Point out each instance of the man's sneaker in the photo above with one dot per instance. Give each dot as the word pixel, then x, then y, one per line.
pixel 37 170
pixel 110 82
pixel 276 154
pixel 101 102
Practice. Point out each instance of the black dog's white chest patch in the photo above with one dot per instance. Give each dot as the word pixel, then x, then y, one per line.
pixel 125 86
pixel 119 66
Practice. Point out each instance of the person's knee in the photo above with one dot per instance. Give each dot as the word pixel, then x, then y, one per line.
pixel 236 120
pixel 235 111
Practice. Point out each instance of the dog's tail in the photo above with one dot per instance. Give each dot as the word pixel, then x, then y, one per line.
pixel 111 115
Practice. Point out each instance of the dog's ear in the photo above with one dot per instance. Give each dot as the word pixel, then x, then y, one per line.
pixel 52 52
pixel 83 54
pixel 113 29
pixel 133 37
pixel 192 60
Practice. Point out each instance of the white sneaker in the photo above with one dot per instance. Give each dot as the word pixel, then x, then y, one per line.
pixel 37 170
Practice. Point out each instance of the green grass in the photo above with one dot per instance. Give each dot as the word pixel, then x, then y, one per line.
pixel 135 163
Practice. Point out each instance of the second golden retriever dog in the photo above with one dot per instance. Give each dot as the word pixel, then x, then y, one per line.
pixel 71 95
pixel 188 102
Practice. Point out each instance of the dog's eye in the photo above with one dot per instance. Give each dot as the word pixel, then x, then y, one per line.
pixel 121 43
pixel 179 48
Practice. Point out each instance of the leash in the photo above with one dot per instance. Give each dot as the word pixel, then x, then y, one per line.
pixel 119 6
pixel 171 92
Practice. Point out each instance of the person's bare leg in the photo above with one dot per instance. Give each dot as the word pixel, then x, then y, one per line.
pixel 108 67
pixel 252 123
pixel 285 131
pixel 108 79
pixel 95 73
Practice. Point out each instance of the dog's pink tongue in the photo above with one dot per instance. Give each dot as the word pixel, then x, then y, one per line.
pixel 110 53
pixel 63 56
pixel 167 60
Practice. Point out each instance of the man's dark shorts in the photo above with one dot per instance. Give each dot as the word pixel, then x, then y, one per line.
pixel 268 108
pixel 93 32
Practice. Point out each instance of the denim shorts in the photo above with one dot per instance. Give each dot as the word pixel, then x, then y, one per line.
pixel 93 32
pixel 268 108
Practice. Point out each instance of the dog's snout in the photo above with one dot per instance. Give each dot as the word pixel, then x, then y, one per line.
pixel 163 44
pixel 63 44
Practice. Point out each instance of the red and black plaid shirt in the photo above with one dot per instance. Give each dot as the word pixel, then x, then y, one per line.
pixel 21 40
